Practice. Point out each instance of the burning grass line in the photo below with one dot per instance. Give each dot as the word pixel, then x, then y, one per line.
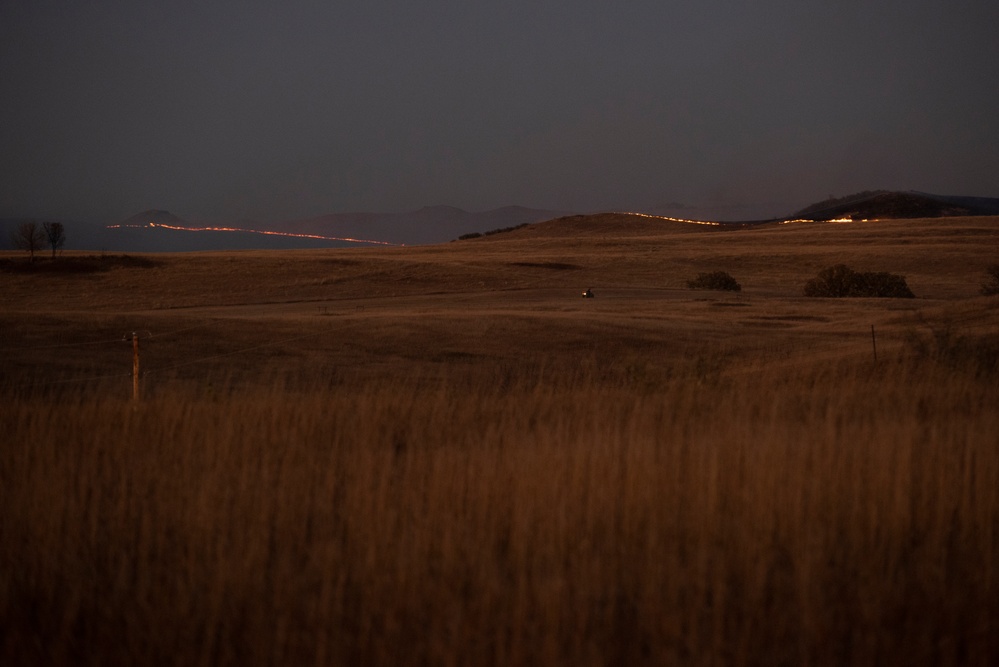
pixel 264 232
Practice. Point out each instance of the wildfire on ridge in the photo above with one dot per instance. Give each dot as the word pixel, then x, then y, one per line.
pixel 834 220
pixel 265 232
pixel 668 219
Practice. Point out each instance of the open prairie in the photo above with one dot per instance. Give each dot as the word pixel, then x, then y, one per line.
pixel 443 455
pixel 509 299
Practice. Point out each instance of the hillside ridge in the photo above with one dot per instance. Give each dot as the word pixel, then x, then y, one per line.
pixel 883 204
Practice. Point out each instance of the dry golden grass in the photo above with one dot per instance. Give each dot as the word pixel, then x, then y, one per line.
pixel 443 455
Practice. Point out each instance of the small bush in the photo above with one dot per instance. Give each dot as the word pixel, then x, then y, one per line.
pixel 882 284
pixel 717 280
pixel 835 281
pixel 991 285
pixel 842 281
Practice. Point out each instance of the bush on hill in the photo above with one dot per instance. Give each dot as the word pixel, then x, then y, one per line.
pixel 503 230
pixel 717 280
pixel 842 281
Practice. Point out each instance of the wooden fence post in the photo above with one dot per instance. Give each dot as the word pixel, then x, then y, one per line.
pixel 135 366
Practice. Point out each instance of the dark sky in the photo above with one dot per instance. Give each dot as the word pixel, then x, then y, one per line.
pixel 272 110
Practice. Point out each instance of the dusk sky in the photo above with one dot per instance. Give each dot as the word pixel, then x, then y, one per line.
pixel 277 110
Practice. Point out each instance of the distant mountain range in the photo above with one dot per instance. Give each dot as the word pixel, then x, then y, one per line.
pixel 162 231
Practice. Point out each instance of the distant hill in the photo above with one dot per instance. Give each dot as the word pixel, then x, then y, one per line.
pixel 864 205
pixel 431 224
pixel 887 204
pixel 616 224
pixel 157 230
pixel 980 205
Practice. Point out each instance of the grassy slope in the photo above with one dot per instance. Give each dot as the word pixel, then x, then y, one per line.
pixel 442 455
pixel 509 297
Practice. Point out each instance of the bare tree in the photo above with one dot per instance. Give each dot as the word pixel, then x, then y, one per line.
pixel 28 236
pixel 56 235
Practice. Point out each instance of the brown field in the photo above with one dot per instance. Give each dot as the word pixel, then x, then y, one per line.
pixel 442 455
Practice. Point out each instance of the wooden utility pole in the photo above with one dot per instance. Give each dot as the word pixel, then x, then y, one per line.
pixel 874 344
pixel 135 366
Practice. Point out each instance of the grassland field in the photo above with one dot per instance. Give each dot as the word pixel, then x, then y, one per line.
pixel 507 299
pixel 443 455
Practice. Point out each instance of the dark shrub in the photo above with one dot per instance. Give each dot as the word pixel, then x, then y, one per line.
pixel 835 281
pixel 491 232
pixel 842 281
pixel 887 285
pixel 718 280
pixel 504 230
pixel 991 284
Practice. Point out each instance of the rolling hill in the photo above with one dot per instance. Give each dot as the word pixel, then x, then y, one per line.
pixel 158 230
pixel 894 205
pixel 431 224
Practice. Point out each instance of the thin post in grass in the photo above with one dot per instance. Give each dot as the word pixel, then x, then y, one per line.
pixel 135 367
pixel 874 344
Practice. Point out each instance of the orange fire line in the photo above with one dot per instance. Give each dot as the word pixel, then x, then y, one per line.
pixel 318 237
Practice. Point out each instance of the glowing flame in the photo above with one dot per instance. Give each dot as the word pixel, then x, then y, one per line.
pixel 265 232
pixel 833 221
pixel 668 219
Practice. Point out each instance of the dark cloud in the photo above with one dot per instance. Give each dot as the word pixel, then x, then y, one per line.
pixel 275 110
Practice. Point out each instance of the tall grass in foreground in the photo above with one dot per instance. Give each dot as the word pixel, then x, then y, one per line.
pixel 841 517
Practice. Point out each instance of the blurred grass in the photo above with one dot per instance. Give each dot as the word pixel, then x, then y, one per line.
pixel 442 455
pixel 844 514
